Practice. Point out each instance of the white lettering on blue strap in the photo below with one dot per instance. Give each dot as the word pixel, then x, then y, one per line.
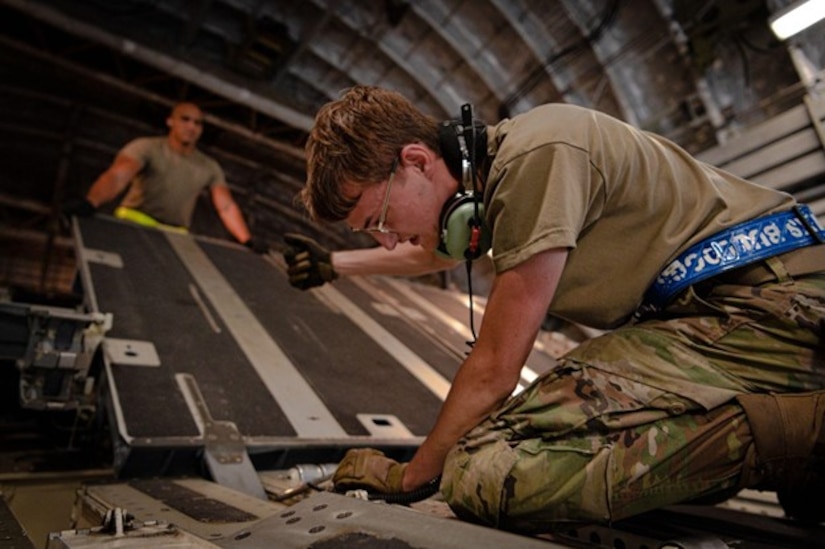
pixel 736 247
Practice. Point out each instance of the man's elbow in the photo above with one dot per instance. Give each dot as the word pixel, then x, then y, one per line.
pixel 500 382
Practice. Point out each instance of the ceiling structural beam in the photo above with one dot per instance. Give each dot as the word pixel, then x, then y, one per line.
pixel 447 100
pixel 197 11
pixel 635 53
pixel 165 63
pixel 309 74
pixel 291 151
pixel 390 50
pixel 815 106
pixel 193 19
pixel 399 48
pixel 682 43
pixel 25 204
pixel 570 71
pixel 299 50
pixel 542 45
pixel 578 14
pixel 32 236
pixel 471 50
pixel 811 76
pixel 308 48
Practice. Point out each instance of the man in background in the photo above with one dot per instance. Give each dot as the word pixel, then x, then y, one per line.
pixel 165 176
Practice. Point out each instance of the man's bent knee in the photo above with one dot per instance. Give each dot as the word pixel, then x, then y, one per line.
pixel 529 487
pixel 472 482
pixel 789 444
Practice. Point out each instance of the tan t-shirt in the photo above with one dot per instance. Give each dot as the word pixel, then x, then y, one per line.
pixel 625 202
pixel 168 186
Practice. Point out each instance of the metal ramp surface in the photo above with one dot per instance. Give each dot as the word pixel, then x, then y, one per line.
pixel 209 342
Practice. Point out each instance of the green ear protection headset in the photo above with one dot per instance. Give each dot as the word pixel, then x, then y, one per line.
pixel 463 231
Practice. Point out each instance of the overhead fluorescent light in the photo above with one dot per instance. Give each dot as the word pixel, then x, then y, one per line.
pixel 796 17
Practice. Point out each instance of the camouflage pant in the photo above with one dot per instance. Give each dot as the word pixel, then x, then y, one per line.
pixel 643 416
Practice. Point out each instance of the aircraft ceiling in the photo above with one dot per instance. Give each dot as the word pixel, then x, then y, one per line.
pixel 82 77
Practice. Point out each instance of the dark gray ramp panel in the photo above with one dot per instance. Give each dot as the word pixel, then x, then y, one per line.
pixel 290 370
pixel 151 300
pixel 344 363
pixel 439 316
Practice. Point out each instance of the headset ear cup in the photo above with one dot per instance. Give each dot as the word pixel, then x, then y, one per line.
pixel 464 233
pixel 450 150
pixel 457 224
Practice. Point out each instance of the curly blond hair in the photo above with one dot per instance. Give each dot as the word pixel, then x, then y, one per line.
pixel 354 141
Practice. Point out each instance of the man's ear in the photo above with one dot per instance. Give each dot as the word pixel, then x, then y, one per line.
pixel 417 155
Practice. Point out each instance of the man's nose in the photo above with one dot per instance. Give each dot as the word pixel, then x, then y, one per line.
pixel 388 240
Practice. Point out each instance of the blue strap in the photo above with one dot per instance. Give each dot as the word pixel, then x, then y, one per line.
pixel 735 247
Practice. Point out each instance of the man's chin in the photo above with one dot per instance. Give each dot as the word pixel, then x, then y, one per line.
pixel 428 243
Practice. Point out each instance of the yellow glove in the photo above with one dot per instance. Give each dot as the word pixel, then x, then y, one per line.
pixel 369 469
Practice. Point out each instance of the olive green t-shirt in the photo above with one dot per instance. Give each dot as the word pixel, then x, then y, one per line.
pixel 169 183
pixel 623 201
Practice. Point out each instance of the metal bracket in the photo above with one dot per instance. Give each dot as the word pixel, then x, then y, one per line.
pixel 816 110
pixel 110 259
pixel 225 452
pixel 384 426
pixel 131 352
pixel 53 349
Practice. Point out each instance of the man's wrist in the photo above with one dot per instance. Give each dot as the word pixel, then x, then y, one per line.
pixel 414 477
pixel 256 245
pixel 344 262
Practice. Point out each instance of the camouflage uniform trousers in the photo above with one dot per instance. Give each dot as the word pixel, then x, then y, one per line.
pixel 643 416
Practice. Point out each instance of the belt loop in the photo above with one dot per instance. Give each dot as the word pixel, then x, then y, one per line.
pixel 778 268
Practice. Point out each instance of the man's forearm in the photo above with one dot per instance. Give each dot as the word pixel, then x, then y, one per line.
pixel 476 392
pixel 234 222
pixel 112 182
pixel 105 189
pixel 230 213
pixel 404 260
pixel 516 307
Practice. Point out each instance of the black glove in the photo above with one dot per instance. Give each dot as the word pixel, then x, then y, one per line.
pixel 308 263
pixel 80 207
pixel 256 245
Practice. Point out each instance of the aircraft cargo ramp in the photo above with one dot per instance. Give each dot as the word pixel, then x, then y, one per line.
pixel 229 396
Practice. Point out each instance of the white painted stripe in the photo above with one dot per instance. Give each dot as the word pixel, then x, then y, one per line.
pixel 191 400
pixel 414 364
pixel 527 374
pixel 83 267
pixel 431 309
pixel 301 405
pixel 118 407
pixel 196 295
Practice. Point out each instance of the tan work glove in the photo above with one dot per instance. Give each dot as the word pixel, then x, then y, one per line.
pixel 369 469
